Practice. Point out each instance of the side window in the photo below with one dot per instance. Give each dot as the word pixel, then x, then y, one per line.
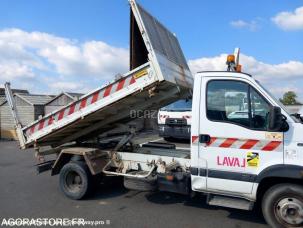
pixel 227 101
pixel 237 102
pixel 259 111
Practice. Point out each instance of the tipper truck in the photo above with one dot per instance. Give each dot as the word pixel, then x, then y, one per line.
pixel 237 161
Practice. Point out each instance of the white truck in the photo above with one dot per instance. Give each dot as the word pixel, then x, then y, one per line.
pixel 174 120
pixel 237 162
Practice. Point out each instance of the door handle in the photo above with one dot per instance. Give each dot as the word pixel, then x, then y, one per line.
pixel 204 138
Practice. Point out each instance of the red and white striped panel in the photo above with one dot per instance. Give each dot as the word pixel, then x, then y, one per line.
pixel 78 105
pixel 244 144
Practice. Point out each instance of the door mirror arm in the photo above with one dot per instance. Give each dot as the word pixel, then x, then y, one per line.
pixel 285 125
pixel 277 121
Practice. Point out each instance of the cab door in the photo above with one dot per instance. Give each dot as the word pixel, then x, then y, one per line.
pixel 233 136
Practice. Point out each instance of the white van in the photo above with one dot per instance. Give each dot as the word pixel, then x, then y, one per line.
pixel 174 120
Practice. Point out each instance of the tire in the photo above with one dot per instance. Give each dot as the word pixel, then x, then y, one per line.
pixel 282 206
pixel 75 180
pixel 141 184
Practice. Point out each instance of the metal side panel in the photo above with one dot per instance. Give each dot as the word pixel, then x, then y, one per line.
pixel 163 47
pixel 132 82
pixel 103 110
pixel 174 73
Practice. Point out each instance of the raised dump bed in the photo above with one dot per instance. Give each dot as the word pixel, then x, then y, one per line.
pixel 158 76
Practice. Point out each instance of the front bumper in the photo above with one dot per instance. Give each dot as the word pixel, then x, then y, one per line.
pixel 179 132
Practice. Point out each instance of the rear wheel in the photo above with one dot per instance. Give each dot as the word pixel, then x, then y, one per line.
pixel 282 206
pixel 75 180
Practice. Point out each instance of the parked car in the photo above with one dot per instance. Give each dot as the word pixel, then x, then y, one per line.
pixel 174 120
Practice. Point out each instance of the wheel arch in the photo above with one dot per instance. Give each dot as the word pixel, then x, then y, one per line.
pixel 278 174
pixel 62 159
pixel 94 159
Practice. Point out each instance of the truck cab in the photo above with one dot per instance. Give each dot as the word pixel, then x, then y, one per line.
pixel 174 120
pixel 243 155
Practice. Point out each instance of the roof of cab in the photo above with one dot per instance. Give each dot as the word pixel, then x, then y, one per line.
pixel 222 73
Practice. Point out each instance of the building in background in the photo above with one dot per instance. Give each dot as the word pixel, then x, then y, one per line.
pixel 29 107
pixel 20 91
pixel 3 98
pixel 2 94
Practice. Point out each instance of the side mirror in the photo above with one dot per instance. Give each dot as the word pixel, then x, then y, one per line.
pixel 277 121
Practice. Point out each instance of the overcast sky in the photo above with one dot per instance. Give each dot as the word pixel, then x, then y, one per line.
pixel 48 46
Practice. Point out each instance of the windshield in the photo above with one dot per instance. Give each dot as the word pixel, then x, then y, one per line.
pixel 278 102
pixel 181 105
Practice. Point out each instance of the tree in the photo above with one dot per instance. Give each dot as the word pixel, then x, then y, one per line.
pixel 289 98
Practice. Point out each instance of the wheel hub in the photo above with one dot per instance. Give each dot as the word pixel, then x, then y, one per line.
pixel 290 210
pixel 73 181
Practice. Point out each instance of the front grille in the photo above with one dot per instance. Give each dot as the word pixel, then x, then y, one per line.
pixel 176 121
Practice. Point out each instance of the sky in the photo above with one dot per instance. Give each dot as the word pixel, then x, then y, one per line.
pixel 49 46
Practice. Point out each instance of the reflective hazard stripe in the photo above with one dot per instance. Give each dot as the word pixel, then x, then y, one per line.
pixel 95 97
pixel 71 109
pixel 249 144
pixel 81 104
pixel 194 138
pixel 61 114
pixel 228 142
pixel 107 91
pixel 212 139
pixel 244 144
pixel 41 125
pixel 120 85
pixel 271 146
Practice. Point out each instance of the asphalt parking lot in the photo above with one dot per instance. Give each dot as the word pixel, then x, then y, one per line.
pixel 24 194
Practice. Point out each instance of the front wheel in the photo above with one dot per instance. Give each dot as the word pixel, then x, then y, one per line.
pixel 75 180
pixel 282 206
